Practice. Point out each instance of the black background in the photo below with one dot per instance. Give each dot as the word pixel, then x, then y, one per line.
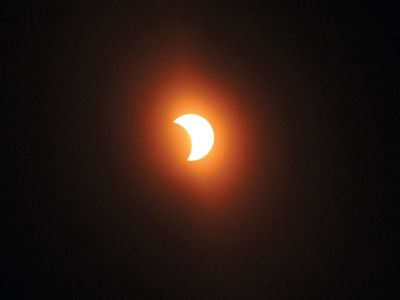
pixel 80 226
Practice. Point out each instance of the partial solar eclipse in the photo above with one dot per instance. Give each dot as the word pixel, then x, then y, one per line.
pixel 201 134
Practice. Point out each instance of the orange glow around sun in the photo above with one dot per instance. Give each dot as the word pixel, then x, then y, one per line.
pixel 161 149
pixel 217 174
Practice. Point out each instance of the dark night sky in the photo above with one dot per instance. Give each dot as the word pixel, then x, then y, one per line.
pixel 307 221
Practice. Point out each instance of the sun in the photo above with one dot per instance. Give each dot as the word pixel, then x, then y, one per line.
pixel 201 134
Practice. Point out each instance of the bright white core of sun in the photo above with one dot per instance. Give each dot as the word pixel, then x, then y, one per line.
pixel 201 134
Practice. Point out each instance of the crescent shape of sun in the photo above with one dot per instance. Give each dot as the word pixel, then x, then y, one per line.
pixel 201 134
